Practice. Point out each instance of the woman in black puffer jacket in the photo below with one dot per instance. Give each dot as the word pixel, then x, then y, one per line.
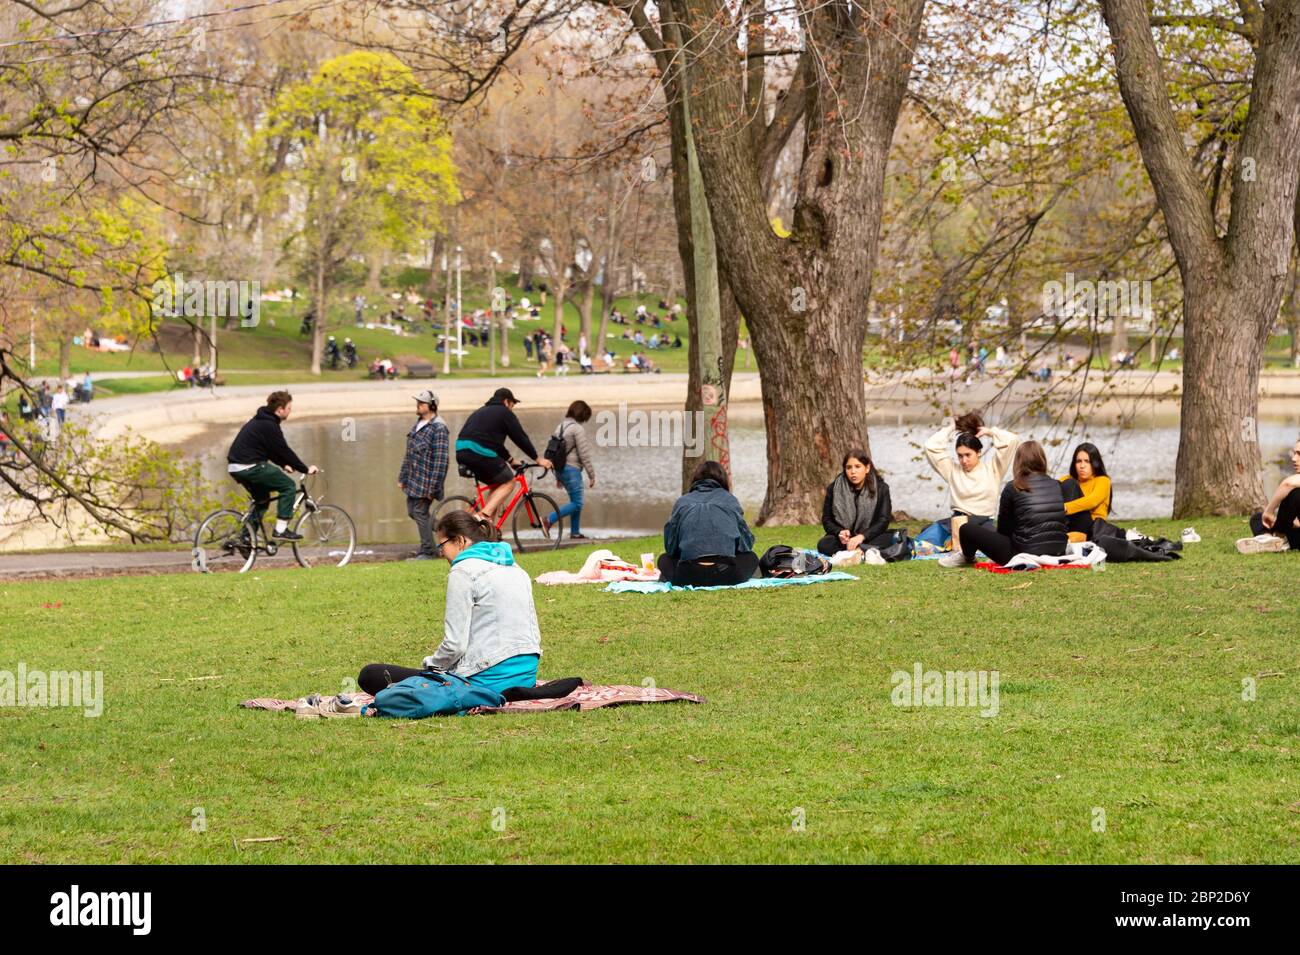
pixel 1031 515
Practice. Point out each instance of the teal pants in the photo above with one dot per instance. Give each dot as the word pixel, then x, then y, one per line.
pixel 261 481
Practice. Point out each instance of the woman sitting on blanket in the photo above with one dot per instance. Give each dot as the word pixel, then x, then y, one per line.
pixel 1087 492
pixel 706 540
pixel 490 634
pixel 857 510
pixel 1031 514
pixel 972 483
pixel 1277 527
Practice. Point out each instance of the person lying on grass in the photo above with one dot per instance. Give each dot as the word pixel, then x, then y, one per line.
pixel 706 540
pixel 1087 491
pixel 1031 514
pixel 490 633
pixel 857 509
pixel 1277 527
pixel 972 483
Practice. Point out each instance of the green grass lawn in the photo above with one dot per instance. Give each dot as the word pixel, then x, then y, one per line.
pixel 1119 691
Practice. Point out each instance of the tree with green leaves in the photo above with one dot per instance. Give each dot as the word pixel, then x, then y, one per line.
pixel 369 165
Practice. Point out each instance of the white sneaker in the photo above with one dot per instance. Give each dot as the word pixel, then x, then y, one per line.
pixel 1190 536
pixel 847 558
pixel 872 556
pixel 1133 534
pixel 1263 544
pixel 329 707
pixel 953 559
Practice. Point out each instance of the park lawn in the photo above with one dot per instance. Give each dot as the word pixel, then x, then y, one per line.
pixel 1119 692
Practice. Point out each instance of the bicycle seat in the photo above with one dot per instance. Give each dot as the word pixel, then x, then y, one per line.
pixel 464 472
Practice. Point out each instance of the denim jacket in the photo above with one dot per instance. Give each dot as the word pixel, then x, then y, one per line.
pixel 490 614
pixel 707 521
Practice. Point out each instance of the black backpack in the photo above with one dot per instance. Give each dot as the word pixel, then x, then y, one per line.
pixel 782 561
pixel 555 451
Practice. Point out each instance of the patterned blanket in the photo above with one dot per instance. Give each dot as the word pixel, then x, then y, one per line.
pixel 582 699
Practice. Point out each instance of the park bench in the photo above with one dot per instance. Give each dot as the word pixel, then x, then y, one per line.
pixel 420 369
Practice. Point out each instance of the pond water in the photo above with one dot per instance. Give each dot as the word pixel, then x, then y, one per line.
pixel 636 486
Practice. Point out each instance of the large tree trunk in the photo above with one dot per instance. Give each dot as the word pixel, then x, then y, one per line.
pixel 584 309
pixel 803 297
pixel 374 273
pixel 1218 463
pixel 1232 284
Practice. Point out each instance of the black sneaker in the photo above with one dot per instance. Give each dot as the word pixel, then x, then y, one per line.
pixel 286 535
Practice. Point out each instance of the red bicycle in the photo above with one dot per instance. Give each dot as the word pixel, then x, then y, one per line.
pixel 527 523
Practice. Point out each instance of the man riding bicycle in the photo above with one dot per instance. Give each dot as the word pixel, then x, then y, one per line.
pixel 481 447
pixel 256 459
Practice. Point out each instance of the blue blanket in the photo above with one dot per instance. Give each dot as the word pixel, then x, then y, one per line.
pixel 662 586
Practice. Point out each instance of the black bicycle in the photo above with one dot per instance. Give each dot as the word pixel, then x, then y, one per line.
pixel 229 540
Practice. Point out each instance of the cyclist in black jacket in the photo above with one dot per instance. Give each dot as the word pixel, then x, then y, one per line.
pixel 481 447
pixel 256 459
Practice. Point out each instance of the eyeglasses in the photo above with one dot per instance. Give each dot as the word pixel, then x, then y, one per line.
pixel 441 544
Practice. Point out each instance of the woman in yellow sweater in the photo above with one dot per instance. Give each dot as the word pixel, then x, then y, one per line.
pixel 1086 490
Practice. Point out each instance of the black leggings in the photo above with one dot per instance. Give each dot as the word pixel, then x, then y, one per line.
pixel 376 676
pixel 984 536
pixel 1080 523
pixel 830 544
pixel 717 572
pixel 1287 512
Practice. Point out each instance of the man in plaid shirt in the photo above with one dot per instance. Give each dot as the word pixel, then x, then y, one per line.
pixel 424 468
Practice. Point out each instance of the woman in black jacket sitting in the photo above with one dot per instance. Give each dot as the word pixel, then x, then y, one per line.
pixel 857 509
pixel 1031 514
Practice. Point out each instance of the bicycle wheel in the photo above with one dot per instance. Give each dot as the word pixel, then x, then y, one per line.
pixel 528 524
pixel 224 542
pixel 449 504
pixel 328 537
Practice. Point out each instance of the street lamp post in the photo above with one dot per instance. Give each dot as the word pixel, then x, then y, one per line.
pixel 446 317
pixel 459 311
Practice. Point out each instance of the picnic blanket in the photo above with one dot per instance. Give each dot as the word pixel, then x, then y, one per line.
pixel 584 698
pixel 662 586
pixel 601 566
pixel 1076 556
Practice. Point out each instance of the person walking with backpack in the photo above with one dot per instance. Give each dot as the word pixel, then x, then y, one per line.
pixel 423 474
pixel 569 450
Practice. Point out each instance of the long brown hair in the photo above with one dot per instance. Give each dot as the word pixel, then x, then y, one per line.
pixel 460 523
pixel 860 455
pixel 1030 459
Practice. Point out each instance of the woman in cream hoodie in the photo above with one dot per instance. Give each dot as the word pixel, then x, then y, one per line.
pixel 974 483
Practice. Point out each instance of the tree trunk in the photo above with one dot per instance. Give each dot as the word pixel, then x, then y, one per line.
pixel 374 276
pixel 585 304
pixel 1232 284
pixel 802 297
pixel 318 326
pixel 1218 450
pixel 707 355
pixel 1119 334
pixel 65 358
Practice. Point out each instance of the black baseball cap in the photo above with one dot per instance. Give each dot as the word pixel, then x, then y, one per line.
pixel 504 394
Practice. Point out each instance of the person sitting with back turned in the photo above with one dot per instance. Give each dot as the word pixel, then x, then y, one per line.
pixel 1087 491
pixel 973 484
pixel 706 540
pixel 857 508
pixel 1277 527
pixel 1031 514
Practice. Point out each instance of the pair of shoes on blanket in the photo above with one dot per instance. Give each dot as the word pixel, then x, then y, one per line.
pixel 316 707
